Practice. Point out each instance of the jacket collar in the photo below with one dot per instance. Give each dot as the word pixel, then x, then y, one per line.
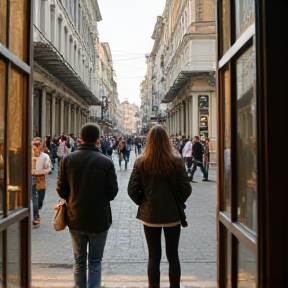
pixel 88 146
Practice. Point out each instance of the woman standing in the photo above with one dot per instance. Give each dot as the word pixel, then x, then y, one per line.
pixel 150 187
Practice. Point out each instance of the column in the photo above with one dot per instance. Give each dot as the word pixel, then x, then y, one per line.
pixel 182 120
pixel 187 118
pixel 43 113
pixel 61 115
pixel 191 117
pixel 195 120
pixel 69 118
pixel 75 122
pixel 53 102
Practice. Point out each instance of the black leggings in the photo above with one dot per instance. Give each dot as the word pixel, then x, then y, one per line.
pixel 153 238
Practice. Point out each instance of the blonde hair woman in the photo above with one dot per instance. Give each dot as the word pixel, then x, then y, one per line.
pixel 150 186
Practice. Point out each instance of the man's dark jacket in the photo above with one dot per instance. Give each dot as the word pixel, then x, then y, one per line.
pixel 197 151
pixel 88 182
pixel 154 194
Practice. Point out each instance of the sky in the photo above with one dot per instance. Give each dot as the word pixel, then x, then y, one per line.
pixel 128 25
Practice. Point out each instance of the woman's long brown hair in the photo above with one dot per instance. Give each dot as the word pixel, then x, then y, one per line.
pixel 158 157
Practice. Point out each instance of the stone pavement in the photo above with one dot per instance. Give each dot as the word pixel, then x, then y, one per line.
pixel 125 258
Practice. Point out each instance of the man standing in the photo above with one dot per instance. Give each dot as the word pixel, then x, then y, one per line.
pixel 41 166
pixel 88 182
pixel 197 153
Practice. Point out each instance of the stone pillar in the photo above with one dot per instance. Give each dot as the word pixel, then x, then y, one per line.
pixel 187 118
pixel 191 117
pixel 182 120
pixel 53 117
pixel 195 120
pixel 69 118
pixel 75 122
pixel 43 113
pixel 61 115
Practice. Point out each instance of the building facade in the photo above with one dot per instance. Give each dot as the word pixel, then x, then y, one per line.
pixel 106 115
pixel 180 76
pixel 65 69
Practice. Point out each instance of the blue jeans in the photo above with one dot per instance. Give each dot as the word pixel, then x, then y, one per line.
pixel 37 198
pixel 96 243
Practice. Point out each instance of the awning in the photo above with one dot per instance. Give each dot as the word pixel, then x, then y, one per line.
pixel 183 78
pixel 50 59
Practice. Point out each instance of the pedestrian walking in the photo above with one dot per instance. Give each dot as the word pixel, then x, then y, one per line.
pixel 150 188
pixel 197 153
pixel 41 166
pixel 206 155
pixel 88 182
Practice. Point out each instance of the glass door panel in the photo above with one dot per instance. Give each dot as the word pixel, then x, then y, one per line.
pixel 18 28
pixel 3 20
pixel 226 42
pixel 14 139
pixel 246 142
pixel 227 141
pixel 2 128
pixel 13 255
pixel 247 268
pixel 244 14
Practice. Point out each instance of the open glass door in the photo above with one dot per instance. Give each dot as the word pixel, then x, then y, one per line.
pixel 15 110
pixel 237 183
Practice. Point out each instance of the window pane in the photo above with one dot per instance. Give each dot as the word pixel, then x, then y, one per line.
pixel 1 260
pixel 2 127
pixel 246 268
pixel 226 26
pixel 18 31
pixel 244 12
pixel 227 142
pixel 13 255
pixel 14 137
pixel 3 19
pixel 229 239
pixel 246 142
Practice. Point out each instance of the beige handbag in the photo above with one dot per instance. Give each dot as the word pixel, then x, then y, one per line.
pixel 60 217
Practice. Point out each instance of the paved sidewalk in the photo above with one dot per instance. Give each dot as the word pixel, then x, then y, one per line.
pixel 125 258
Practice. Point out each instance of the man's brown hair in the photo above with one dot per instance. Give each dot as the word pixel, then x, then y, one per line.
pixel 90 133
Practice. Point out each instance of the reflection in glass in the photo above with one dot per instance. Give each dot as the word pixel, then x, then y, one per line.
pixel 226 26
pixel 229 239
pixel 227 142
pixel 3 18
pixel 2 127
pixel 18 28
pixel 13 255
pixel 1 260
pixel 246 142
pixel 14 137
pixel 244 12
pixel 247 267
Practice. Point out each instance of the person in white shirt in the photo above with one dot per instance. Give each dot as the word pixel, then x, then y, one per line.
pixel 41 166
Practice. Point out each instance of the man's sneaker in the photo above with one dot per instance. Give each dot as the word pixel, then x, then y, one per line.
pixel 35 224
pixel 205 179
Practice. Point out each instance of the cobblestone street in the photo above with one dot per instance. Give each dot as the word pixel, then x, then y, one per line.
pixel 125 258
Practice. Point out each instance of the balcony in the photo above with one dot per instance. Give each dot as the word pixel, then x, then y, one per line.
pixel 48 57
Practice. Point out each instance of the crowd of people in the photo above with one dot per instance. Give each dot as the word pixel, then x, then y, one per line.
pixel 87 181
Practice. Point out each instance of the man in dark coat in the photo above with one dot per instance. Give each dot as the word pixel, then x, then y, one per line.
pixel 88 182
pixel 197 153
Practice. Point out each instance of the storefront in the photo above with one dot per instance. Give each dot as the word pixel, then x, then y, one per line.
pixel 252 197
pixel 15 148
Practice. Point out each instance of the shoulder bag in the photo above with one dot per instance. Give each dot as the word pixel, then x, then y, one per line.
pixel 60 218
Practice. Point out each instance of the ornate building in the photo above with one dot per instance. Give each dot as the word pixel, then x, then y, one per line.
pixel 65 82
pixel 180 79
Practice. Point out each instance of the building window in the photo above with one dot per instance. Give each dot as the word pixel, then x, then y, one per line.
pixel 42 15
pixel 60 32
pixel 66 48
pixel 52 24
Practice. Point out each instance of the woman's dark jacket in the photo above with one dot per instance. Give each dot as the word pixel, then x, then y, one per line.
pixel 88 182
pixel 154 194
